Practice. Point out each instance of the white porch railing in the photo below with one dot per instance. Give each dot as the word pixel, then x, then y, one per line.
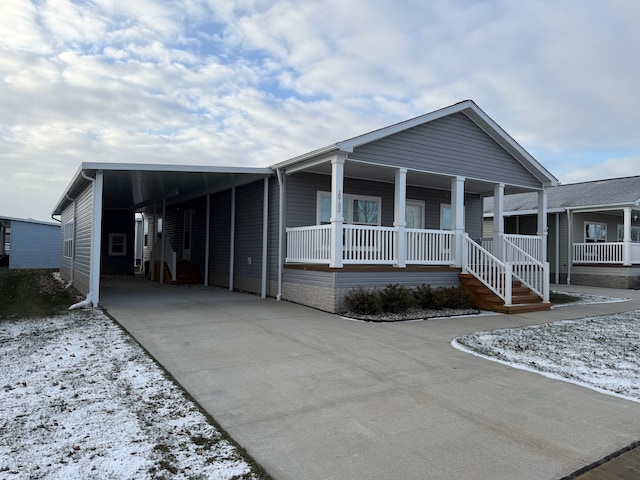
pixel 532 273
pixel 363 244
pixel 309 244
pixel 170 258
pixel 600 252
pixel 530 244
pixel 429 247
pixel 367 244
pixel 493 273
pixel 635 253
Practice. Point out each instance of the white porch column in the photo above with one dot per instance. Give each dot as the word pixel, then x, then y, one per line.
pixel 457 218
pixel 626 249
pixel 399 217
pixel 337 219
pixel 498 221
pixel 543 231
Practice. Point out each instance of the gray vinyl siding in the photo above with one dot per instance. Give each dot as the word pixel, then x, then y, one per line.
pixel 453 145
pixel 34 245
pixel 82 242
pixel 248 236
pixel 302 190
pixel 220 238
pixel 406 278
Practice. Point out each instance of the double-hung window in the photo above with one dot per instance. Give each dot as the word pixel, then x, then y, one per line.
pixel 595 232
pixel 68 233
pixel 117 244
pixel 356 209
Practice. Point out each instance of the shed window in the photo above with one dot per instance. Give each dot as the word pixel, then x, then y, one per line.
pixel 117 244
pixel 595 232
pixel 68 239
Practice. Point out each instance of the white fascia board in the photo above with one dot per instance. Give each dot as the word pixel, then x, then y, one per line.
pixel 601 208
pixel 320 152
pixel 147 167
pixel 518 213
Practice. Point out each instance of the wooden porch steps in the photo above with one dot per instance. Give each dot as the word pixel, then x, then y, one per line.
pixel 187 273
pixel 523 299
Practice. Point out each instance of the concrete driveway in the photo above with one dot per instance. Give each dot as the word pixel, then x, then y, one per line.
pixel 314 396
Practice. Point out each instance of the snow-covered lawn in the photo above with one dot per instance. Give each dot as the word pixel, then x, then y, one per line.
pixel 80 399
pixel 602 353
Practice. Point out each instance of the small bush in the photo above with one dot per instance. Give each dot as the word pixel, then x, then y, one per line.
pixel 451 297
pixel 363 302
pixel 424 296
pixel 396 298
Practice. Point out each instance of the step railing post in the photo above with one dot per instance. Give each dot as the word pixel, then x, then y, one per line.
pixel 545 280
pixel 508 283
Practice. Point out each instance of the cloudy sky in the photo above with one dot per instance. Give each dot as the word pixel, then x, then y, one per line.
pixel 255 82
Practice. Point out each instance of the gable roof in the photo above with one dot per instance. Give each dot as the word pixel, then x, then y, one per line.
pixel 609 192
pixel 466 107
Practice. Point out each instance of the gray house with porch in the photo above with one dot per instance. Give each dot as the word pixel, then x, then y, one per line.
pixel 402 204
pixel 593 230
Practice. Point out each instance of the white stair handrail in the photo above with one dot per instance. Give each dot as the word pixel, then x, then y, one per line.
pixel 531 272
pixel 493 273
pixel 170 257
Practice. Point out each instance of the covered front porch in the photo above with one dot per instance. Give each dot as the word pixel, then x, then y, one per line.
pixel 336 241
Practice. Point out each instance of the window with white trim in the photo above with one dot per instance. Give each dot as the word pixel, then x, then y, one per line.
pixel 117 244
pixel 68 233
pixel 356 209
pixel 635 233
pixel 595 232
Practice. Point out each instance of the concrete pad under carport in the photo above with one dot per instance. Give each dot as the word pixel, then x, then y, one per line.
pixel 311 395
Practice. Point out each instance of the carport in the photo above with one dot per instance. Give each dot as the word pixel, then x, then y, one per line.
pixel 98 208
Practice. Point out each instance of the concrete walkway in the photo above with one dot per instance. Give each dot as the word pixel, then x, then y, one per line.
pixel 314 396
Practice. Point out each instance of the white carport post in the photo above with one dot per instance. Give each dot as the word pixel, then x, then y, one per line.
pixel 232 239
pixel 626 248
pixel 265 236
pixel 399 217
pixel 337 219
pixel 96 238
pixel 543 231
pixel 457 218
pixel 498 221
pixel 163 247
pixel 207 241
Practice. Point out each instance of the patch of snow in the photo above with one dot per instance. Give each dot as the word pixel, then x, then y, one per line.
pixel 80 399
pixel 588 298
pixel 602 353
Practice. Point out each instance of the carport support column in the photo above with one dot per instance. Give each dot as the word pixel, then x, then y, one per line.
pixel 543 231
pixel 207 241
pixel 399 219
pixel 457 219
pixel 163 247
pixel 232 239
pixel 498 221
pixel 337 219
pixel 265 236
pixel 626 248
pixel 96 238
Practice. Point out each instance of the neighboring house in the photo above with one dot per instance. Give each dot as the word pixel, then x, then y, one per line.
pixel 594 230
pixel 402 204
pixel 28 243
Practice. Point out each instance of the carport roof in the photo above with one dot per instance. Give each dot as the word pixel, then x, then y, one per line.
pixel 136 186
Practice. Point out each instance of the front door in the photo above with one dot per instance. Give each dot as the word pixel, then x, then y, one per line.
pixel 186 238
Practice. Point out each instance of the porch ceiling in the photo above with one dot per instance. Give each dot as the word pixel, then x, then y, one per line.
pixel 379 173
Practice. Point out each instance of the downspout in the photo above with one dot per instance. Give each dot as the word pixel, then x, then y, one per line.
pixel 558 248
pixel 569 244
pixel 280 230
pixel 84 303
